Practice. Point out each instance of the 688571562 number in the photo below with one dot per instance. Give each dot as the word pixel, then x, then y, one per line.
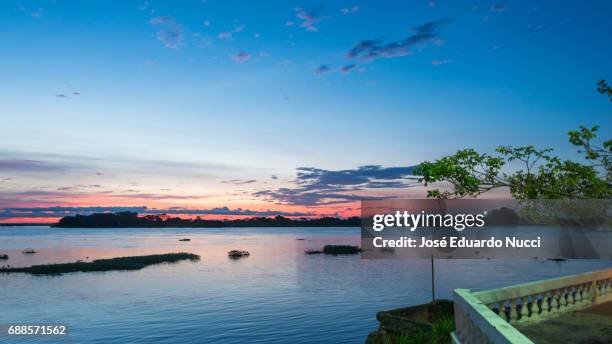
pixel 14 330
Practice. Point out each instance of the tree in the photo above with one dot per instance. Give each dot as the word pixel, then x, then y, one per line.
pixel 539 174
pixel 603 88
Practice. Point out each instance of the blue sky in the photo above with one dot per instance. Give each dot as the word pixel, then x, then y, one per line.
pixel 180 98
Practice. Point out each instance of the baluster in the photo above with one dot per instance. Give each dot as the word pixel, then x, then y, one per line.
pixel 562 301
pixel 502 312
pixel 591 293
pixel 524 309
pixel 535 308
pixel 513 311
pixel 600 286
pixel 545 306
pixel 579 298
pixel 586 294
pixel 571 301
pixel 554 304
pixel 493 307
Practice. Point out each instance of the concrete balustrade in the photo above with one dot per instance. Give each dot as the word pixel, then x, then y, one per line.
pixel 488 316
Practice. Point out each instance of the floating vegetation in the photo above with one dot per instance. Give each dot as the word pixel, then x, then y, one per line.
pixel 185 239
pixel 238 254
pixel 120 263
pixel 341 249
pixel 336 249
pixel 557 259
pixel 28 251
pixel 4 256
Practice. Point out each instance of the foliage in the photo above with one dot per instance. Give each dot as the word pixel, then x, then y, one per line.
pixel 599 156
pixel 439 333
pixel 539 175
pixel 603 88
pixel 577 213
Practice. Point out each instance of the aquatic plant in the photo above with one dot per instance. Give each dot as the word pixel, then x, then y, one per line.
pixel 341 249
pixel 238 254
pixel 120 263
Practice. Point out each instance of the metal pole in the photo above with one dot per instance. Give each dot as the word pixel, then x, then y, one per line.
pixel 433 282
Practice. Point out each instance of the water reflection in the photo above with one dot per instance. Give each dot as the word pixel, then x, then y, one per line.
pixel 276 295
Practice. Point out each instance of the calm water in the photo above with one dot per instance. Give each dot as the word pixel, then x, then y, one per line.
pixel 277 295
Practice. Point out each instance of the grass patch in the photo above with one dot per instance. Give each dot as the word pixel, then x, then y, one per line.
pixel 439 333
pixel 341 249
pixel 120 263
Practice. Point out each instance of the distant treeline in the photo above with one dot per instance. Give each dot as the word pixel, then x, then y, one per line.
pixel 131 219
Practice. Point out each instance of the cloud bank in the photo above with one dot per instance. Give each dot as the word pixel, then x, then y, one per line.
pixel 368 50
pixel 315 186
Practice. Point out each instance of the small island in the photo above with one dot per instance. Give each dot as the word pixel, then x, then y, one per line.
pixel 120 263
pixel 133 220
pixel 336 250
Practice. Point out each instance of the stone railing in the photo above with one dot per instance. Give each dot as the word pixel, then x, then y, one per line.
pixel 488 316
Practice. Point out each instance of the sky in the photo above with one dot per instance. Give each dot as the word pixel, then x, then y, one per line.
pixel 297 108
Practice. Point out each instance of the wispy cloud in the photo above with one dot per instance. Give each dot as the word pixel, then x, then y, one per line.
pixel 225 35
pixel 171 32
pixel 88 165
pixel 440 62
pixel 322 69
pixel 39 12
pixel 346 69
pixel 498 8
pixel 228 35
pixel 146 7
pixel 241 57
pixel 23 165
pixel 315 186
pixel 155 197
pixel 368 50
pixel 349 10
pixel 309 17
pixel 239 181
